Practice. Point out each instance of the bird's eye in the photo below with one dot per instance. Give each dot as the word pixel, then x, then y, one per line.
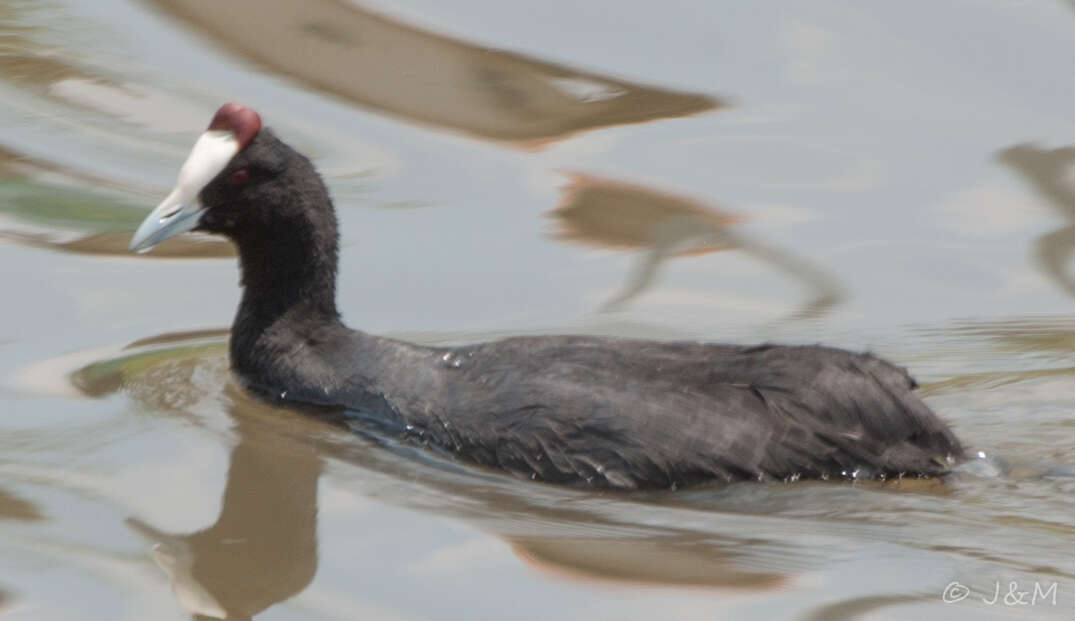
pixel 239 177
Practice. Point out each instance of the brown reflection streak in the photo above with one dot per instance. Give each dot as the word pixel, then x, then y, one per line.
pixel 616 214
pixel 668 561
pixel 179 337
pixel 263 547
pixel 382 64
pixel 1052 174
pixel 26 69
pixel 23 60
pixel 14 508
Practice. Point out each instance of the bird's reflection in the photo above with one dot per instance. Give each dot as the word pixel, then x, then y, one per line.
pixel 382 64
pixel 263 547
pixel 617 214
pixel 1051 172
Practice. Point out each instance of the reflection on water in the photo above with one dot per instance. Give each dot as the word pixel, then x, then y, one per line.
pixel 1008 368
pixel 14 508
pixel 48 205
pixel 988 380
pixel 379 63
pixel 1031 335
pixel 1052 174
pixel 19 167
pixel 118 244
pixel 39 208
pixel 1046 342
pixel 262 549
pixel 76 221
pixel 617 214
pixel 101 491
pixel 24 60
pixel 674 559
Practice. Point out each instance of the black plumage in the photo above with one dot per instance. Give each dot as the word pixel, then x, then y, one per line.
pixel 607 412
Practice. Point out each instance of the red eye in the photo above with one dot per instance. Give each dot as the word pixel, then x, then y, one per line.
pixel 239 177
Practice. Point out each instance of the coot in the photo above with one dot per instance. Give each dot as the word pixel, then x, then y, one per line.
pixel 605 412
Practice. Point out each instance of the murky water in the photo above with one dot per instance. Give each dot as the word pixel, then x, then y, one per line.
pixel 875 176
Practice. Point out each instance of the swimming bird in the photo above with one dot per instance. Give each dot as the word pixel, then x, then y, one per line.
pixel 582 410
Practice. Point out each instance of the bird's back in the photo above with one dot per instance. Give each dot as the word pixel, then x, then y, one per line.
pixel 633 414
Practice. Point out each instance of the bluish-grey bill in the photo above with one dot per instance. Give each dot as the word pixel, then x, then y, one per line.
pixel 181 211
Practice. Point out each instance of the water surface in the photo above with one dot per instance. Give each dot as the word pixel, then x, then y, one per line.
pixel 880 177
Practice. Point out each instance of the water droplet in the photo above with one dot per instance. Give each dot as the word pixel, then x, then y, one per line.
pixel 410 427
pixel 446 357
pixel 283 395
pixel 533 475
pixel 981 454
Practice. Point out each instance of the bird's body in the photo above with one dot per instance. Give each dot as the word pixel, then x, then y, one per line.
pixel 606 412
pixel 624 413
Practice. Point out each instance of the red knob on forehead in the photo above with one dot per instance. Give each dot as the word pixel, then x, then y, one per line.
pixel 239 120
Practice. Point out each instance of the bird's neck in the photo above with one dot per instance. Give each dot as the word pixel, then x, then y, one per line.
pixel 289 281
